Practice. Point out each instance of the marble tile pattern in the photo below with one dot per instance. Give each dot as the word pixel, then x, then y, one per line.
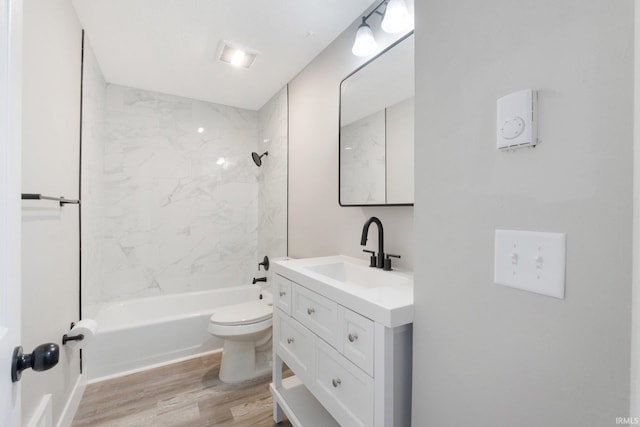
pixel 272 179
pixel 362 161
pixel 179 197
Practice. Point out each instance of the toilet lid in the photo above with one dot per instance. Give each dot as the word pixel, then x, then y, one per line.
pixel 243 313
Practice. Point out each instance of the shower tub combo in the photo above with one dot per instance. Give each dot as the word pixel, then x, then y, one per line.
pixel 145 332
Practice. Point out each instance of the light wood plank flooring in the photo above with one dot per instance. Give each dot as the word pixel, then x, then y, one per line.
pixel 182 394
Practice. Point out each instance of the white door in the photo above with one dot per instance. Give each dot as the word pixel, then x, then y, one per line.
pixel 10 172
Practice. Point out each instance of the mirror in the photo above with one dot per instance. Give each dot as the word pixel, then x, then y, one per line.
pixel 376 130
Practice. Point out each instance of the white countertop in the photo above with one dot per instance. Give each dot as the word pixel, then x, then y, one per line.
pixel 390 305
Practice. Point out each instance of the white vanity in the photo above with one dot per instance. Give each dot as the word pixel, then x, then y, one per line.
pixel 345 330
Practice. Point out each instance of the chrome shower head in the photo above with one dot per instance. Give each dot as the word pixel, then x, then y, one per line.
pixel 257 158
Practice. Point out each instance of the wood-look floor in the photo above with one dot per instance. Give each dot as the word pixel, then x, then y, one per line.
pixel 182 394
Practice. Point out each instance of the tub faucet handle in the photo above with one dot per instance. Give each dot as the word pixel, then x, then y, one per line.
pixel 264 263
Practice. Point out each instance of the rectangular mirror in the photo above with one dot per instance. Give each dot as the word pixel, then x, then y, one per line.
pixel 376 130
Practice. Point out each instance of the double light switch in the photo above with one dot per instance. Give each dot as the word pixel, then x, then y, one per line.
pixel 532 261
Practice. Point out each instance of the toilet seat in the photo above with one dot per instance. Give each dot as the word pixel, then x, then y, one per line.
pixel 241 319
pixel 242 314
pixel 224 331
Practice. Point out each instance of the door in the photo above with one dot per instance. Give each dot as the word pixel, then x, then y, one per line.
pixel 10 171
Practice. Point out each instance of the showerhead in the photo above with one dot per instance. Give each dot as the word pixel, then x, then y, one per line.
pixel 257 159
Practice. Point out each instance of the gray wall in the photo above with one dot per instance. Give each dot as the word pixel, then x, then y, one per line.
pixel 635 328
pixel 318 226
pixel 487 355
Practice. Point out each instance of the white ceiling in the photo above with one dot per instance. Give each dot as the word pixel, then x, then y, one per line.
pixel 170 46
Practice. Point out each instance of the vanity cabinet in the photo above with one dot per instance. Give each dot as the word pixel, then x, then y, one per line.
pixel 349 369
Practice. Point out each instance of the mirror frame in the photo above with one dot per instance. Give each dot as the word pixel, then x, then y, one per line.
pixel 382 52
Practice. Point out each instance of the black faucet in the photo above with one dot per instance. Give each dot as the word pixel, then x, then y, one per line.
pixel 259 279
pixel 363 240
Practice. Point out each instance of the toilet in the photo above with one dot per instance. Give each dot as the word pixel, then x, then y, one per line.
pixel 246 331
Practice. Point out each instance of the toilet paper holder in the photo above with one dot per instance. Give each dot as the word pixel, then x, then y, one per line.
pixel 66 337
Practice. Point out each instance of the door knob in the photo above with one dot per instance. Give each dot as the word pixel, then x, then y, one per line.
pixel 43 357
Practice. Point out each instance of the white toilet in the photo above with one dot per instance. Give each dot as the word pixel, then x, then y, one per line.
pixel 246 330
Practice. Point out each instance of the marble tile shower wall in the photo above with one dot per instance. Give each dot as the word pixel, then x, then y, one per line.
pixel 179 204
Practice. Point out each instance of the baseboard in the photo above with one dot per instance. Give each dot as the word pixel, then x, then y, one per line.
pixel 70 409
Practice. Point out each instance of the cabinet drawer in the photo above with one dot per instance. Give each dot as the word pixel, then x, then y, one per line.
pixel 282 293
pixel 342 388
pixel 294 344
pixel 357 339
pixel 317 313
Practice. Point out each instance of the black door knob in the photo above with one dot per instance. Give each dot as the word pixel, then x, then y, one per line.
pixel 43 357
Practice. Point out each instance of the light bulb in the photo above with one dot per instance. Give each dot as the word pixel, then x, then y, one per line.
pixel 238 57
pixel 396 18
pixel 365 44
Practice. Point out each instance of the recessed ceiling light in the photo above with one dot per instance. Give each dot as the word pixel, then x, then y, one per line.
pixel 200 130
pixel 235 55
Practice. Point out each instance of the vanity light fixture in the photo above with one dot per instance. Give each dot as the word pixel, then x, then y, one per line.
pixel 235 55
pixel 365 44
pixel 395 19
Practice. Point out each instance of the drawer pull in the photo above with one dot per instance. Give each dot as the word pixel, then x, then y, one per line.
pixel 282 293
pixel 310 311
pixel 336 382
pixel 289 340
pixel 352 337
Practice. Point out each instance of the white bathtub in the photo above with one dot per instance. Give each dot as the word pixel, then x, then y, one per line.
pixel 141 333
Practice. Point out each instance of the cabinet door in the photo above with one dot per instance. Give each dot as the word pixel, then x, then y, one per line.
pixel 317 313
pixel 294 344
pixel 345 390
pixel 282 293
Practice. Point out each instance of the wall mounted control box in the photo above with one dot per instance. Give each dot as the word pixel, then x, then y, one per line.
pixel 517 120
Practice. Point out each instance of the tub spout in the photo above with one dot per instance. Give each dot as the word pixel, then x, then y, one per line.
pixel 259 279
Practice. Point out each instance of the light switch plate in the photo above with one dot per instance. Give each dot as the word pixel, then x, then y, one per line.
pixel 532 261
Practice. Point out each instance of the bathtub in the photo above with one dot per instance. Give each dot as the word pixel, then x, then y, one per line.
pixel 146 332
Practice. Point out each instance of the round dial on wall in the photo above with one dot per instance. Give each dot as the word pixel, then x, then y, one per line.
pixel 512 128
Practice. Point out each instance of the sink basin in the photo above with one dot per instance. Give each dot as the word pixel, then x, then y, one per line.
pixel 358 275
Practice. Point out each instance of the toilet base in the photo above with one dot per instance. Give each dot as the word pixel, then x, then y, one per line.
pixel 241 362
